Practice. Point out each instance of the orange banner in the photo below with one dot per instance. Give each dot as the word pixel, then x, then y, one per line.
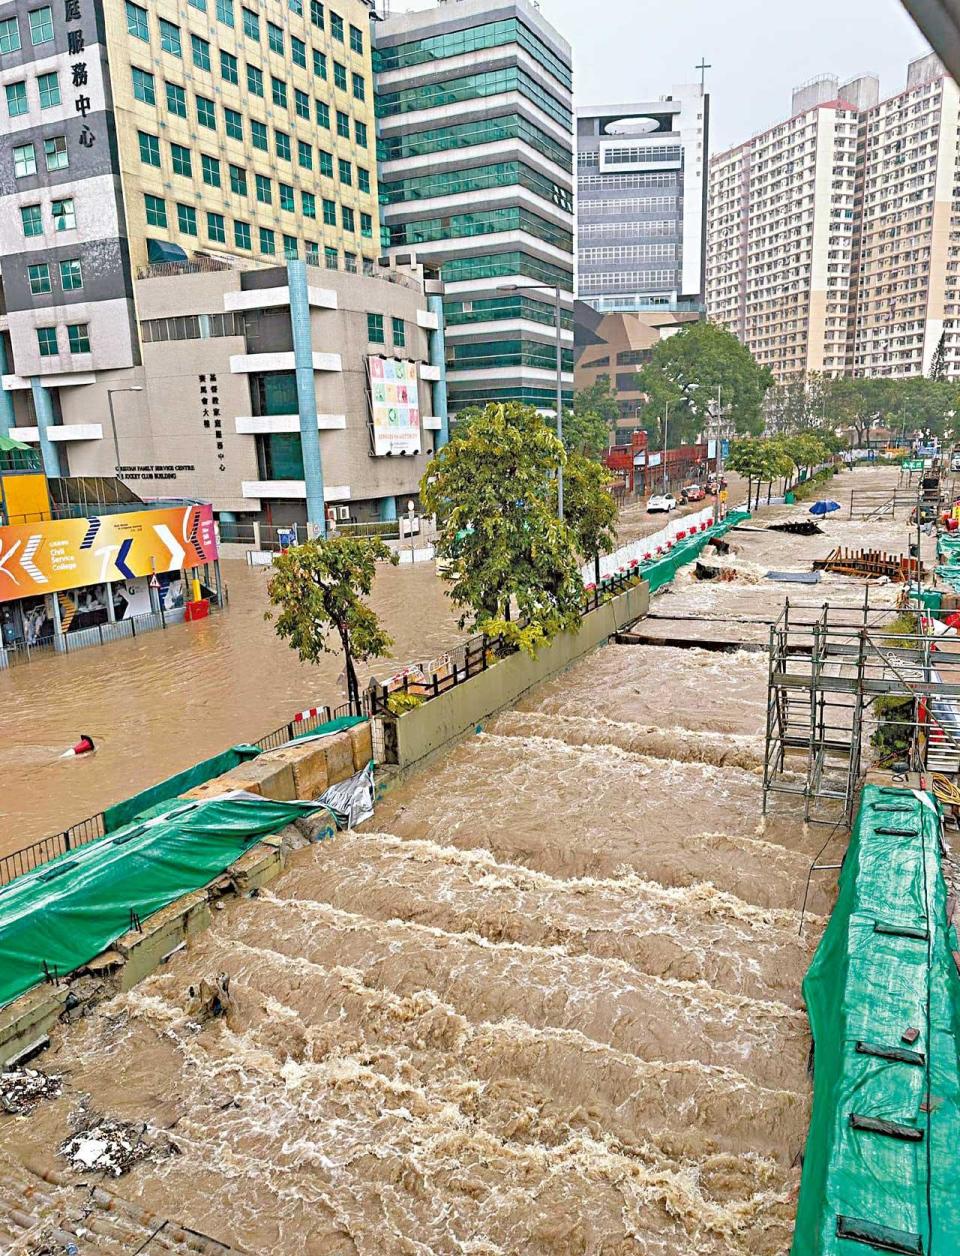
pixel 60 554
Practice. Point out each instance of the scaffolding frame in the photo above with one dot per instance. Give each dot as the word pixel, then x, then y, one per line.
pixel 827 666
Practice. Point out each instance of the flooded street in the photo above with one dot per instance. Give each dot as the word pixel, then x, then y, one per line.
pixel 547 1001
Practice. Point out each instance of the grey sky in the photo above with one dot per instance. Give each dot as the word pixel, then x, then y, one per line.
pixel 627 50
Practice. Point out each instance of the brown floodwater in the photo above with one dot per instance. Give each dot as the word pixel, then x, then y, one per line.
pixel 545 1003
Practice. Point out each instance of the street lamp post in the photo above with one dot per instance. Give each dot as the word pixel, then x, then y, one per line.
pixel 666 424
pixel 135 388
pixel 719 462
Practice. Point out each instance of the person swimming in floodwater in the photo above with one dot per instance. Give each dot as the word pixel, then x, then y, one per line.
pixel 84 745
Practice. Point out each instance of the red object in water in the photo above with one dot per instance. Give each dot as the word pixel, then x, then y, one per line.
pixel 83 746
pixel 197 610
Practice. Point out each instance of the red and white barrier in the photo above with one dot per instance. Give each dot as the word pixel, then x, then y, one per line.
pixel 648 547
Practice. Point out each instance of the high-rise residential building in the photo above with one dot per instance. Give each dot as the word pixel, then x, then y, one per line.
pixel 642 202
pixel 475 132
pixel 829 235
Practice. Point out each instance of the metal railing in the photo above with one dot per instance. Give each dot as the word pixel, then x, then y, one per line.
pixel 18 652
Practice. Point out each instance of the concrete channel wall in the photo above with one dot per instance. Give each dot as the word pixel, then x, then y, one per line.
pixel 423 731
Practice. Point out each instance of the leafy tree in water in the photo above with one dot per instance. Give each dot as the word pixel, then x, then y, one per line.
pixel 589 508
pixel 498 532
pixel 709 356
pixel 318 588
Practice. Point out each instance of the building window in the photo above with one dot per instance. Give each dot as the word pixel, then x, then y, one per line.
pixel 170 38
pixel 71 275
pixel 363 179
pixel 49 85
pixel 206 113
pixel 216 228
pixel 258 135
pixel 274 38
pixel 312 253
pixel 9 35
pixel 301 103
pixel 340 76
pixel 399 333
pixel 366 225
pixel 251 25
pixel 278 91
pixel 47 342
pixel 305 154
pixel 64 215
pixel 55 152
pixel 143 86
pixel 156 210
pixel 238 180
pixel 309 204
pixel 210 168
pixel 229 67
pixel 254 80
pixel 233 122
pixel 187 219
pixel 286 198
pixel 359 87
pixel 350 262
pixel 282 140
pixel 346 171
pixel 200 49
pixel 264 190
pixel 181 160
pixel 375 329
pixel 225 12
pixel 336 26
pixel 298 51
pixel 176 100
pixel 322 114
pixel 346 215
pixel 241 235
pixel 356 38
pixel 325 162
pixel 137 24
pixel 41 25
pixel 331 258
pixel 360 132
pixel 316 14
pixel 16 99
pixel 39 276
pixel 343 124
pixel 78 335
pixel 290 248
pixel 268 242
pixel 198 4
pixel 24 160
pixel 319 63
pixel 330 213
pixel 149 149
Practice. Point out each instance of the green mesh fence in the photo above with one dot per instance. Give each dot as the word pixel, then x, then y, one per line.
pixel 65 912
pixel 882 1159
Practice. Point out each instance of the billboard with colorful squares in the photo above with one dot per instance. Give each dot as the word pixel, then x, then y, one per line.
pixel 395 406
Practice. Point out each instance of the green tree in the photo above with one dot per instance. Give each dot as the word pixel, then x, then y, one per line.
pixel 938 363
pixel 589 508
pixel 749 457
pixel 698 360
pixel 498 531
pixel 318 588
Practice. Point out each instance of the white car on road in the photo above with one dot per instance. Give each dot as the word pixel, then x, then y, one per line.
pixel 662 504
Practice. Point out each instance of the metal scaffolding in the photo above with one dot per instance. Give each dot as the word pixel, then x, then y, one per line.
pixel 828 667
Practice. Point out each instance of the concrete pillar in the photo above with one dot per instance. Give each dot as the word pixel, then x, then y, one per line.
pixel 43 406
pixel 256 535
pixel 7 418
pixel 59 643
pixel 111 609
pixel 219 580
pixel 154 595
pixel 438 358
pixel 306 396
pixel 388 509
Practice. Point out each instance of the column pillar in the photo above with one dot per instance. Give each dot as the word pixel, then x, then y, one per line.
pixel 438 358
pixel 7 418
pixel 111 609
pixel 43 407
pixel 387 509
pixel 219 580
pixel 306 396
pixel 59 643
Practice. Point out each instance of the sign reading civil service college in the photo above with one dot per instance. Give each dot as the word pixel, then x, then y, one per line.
pixel 395 401
pixel 59 554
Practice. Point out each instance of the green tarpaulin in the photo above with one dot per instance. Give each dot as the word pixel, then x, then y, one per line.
pixel 65 912
pixel 148 799
pixel 882 1160
pixel 660 571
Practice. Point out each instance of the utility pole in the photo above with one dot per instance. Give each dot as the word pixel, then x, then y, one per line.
pixel 719 464
pixel 666 422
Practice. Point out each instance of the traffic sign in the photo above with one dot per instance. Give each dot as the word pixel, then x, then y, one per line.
pixel 154 581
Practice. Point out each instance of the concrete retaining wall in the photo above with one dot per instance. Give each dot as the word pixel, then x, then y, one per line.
pixel 425 730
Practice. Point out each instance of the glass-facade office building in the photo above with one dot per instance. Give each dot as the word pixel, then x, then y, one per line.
pixel 475 147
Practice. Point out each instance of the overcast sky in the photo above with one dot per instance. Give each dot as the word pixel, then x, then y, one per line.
pixel 631 50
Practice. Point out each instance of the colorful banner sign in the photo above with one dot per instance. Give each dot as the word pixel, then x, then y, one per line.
pixel 395 404
pixel 61 554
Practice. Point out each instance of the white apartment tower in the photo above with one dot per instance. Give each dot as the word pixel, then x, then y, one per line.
pixel 829 235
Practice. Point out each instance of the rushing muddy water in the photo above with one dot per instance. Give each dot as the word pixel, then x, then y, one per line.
pixel 547 1003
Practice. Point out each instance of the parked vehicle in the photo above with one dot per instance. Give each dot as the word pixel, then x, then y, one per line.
pixel 693 493
pixel 661 504
pixel 955 462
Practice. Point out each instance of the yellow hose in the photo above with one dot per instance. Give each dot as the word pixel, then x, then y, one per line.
pixel 945 790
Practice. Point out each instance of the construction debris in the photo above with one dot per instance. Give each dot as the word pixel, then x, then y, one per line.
pixel 799 527
pixel 211 998
pixel 22 1089
pixel 866 564
pixel 107 1146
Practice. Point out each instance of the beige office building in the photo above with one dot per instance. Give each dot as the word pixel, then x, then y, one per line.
pixel 829 234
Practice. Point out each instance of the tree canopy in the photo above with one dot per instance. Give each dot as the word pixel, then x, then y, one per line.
pixel 820 403
pixel 589 509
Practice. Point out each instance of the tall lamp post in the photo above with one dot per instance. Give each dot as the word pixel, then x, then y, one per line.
pixel 134 388
pixel 556 290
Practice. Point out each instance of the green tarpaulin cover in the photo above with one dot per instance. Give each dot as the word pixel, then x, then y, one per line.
pixel 67 911
pixel 881 1169
pixel 148 799
pixel 660 571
